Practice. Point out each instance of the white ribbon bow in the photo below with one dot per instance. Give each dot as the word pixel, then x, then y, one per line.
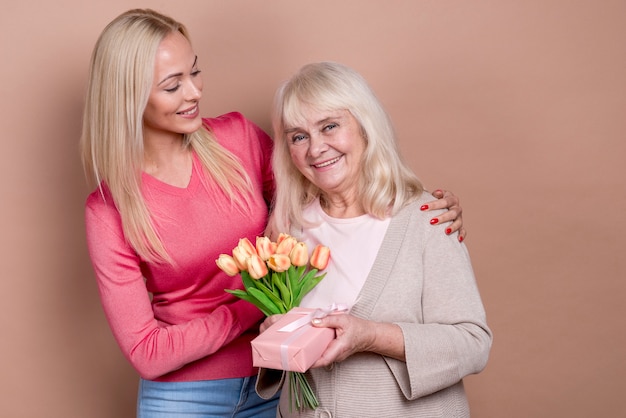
pixel 316 314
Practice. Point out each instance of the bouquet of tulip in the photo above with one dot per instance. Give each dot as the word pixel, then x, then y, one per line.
pixel 276 276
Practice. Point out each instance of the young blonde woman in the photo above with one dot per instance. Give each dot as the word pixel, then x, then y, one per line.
pixel 172 192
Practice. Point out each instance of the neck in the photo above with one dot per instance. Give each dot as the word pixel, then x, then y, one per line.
pixel 341 207
pixel 168 160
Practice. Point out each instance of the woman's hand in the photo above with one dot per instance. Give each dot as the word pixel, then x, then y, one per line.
pixel 354 335
pixel 269 321
pixel 447 200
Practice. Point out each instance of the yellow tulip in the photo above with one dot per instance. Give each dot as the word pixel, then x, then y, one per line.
pixel 279 262
pixel 227 264
pixel 256 267
pixel 299 254
pixel 320 257
pixel 264 247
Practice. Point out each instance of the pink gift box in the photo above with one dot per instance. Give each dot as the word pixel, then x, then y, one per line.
pixel 292 343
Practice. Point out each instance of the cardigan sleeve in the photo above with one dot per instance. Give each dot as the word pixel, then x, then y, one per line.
pixel 450 338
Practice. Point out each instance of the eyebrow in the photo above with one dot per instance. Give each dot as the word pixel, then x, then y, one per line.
pixel 195 61
pixel 291 129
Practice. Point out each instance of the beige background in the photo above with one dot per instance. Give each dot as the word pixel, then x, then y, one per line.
pixel 517 106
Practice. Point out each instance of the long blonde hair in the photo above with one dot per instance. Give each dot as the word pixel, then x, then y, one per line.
pixel 386 184
pixel 120 79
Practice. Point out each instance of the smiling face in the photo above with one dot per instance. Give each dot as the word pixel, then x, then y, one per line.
pixel 327 148
pixel 172 107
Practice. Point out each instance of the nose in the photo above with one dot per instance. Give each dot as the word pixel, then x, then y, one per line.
pixel 193 89
pixel 317 145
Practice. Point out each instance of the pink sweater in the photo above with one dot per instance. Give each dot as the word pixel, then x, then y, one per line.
pixel 191 329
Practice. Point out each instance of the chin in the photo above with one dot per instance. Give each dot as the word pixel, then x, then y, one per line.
pixel 193 127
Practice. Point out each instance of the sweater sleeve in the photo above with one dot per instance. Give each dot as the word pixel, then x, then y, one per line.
pixel 452 340
pixel 153 348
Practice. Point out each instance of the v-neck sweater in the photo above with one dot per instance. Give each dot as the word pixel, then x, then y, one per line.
pixel 176 323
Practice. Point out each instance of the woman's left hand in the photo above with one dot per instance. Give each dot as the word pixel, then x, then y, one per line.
pixel 354 335
pixel 448 200
pixel 269 321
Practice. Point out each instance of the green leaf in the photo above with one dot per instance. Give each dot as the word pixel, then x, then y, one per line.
pixel 292 279
pixel 307 286
pixel 279 279
pixel 242 294
pixel 237 292
pixel 300 270
pixel 265 300
pixel 274 296
pixel 248 281
pixel 308 276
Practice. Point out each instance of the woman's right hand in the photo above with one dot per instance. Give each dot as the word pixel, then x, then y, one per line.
pixel 354 335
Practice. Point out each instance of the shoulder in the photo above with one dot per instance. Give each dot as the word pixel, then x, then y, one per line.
pixel 230 122
pixel 415 222
pixel 414 208
pixel 100 197
pixel 100 207
pixel 234 130
pixel 231 119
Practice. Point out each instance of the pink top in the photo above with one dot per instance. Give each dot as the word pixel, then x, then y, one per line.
pixel 191 329
pixel 354 244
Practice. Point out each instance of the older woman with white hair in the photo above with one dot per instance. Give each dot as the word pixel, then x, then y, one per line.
pixel 417 325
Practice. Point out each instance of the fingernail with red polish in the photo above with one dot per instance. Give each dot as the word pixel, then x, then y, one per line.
pixel 434 221
pixel 424 207
pixel 460 239
pixel 448 231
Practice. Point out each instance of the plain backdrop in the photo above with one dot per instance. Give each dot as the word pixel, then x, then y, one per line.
pixel 517 106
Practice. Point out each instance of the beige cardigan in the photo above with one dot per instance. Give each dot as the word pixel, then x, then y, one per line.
pixel 423 281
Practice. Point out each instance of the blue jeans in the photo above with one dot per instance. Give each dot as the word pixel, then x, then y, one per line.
pixel 203 399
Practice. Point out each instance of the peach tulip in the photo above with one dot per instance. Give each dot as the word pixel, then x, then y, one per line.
pixel 286 245
pixel 227 264
pixel 279 262
pixel 241 258
pixel 256 266
pixel 264 247
pixel 281 237
pixel 299 254
pixel 246 246
pixel 320 257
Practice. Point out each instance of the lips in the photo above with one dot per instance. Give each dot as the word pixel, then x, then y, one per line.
pixel 327 163
pixel 189 112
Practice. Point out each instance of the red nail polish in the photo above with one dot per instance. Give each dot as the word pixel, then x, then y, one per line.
pixel 460 239
pixel 433 221
pixel 448 231
pixel 424 207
